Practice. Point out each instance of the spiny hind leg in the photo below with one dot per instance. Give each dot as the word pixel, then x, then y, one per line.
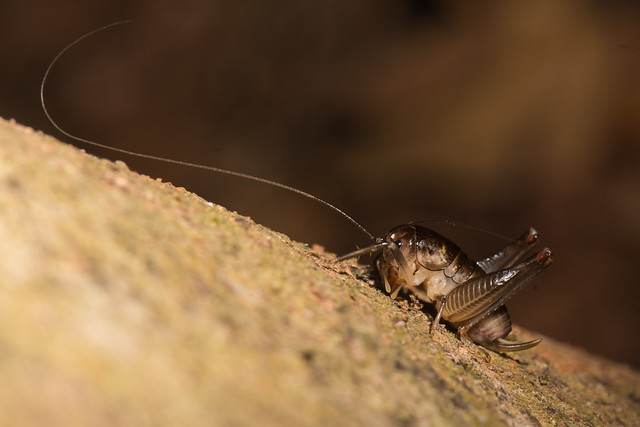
pixel 510 254
pixel 472 301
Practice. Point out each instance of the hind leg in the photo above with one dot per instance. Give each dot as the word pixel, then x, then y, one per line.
pixel 510 254
pixel 476 307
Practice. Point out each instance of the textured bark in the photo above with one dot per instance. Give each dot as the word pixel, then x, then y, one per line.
pixel 127 301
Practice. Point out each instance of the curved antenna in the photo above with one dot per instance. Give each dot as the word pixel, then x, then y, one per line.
pixel 457 224
pixel 172 161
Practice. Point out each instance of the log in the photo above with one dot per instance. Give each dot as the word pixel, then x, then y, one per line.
pixel 127 301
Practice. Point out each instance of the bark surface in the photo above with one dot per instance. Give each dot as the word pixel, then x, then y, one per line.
pixel 127 301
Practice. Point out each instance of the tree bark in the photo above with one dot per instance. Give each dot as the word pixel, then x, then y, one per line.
pixel 127 301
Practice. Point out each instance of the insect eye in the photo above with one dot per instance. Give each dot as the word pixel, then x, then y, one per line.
pixel 398 243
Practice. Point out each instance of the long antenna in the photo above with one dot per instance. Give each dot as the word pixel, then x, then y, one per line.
pixel 463 225
pixel 172 161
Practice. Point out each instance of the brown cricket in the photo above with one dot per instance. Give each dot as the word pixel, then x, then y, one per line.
pixel 469 295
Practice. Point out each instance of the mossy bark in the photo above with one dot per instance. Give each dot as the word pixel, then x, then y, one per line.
pixel 127 301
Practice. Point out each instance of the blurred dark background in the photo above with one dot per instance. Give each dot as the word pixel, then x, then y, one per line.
pixel 498 116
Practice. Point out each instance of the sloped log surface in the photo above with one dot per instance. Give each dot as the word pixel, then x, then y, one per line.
pixel 127 301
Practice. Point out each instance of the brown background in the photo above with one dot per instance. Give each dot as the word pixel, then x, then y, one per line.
pixel 497 116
